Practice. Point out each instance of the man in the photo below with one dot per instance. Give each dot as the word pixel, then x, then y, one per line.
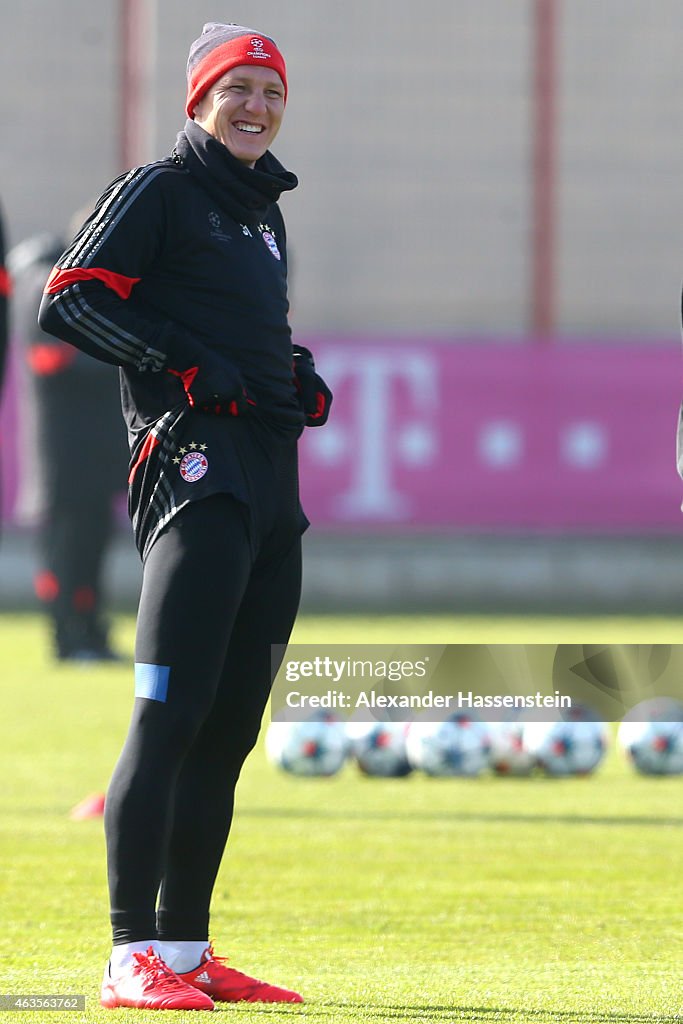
pixel 179 277
pixel 4 296
pixel 81 456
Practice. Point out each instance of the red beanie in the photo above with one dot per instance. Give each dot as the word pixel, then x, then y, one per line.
pixel 221 47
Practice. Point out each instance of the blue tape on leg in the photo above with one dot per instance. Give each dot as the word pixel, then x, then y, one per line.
pixel 151 681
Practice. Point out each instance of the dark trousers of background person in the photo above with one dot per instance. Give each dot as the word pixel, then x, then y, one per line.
pixel 82 460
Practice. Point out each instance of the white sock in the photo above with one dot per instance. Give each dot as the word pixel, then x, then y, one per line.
pixel 183 956
pixel 122 956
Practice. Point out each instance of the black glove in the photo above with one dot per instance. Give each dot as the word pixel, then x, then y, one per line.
pixel 213 384
pixel 314 394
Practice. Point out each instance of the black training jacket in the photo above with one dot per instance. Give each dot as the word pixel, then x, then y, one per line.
pixel 184 252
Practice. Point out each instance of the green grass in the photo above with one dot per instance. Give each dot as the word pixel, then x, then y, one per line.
pixel 411 900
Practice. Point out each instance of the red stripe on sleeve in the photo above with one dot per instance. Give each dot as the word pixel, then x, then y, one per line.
pixel 5 282
pixel 148 447
pixel 118 283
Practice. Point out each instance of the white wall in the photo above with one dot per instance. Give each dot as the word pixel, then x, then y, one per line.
pixel 409 126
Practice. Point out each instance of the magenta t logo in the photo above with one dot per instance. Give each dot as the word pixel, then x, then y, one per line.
pixel 386 424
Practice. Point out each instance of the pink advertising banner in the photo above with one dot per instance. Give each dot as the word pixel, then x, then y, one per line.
pixel 427 435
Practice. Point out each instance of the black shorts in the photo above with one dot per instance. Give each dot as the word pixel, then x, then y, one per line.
pixel 188 456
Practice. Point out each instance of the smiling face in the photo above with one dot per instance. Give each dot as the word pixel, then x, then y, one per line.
pixel 243 110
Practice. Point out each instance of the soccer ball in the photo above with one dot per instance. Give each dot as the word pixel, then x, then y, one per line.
pixel 651 736
pixel 567 747
pixel 509 756
pixel 380 748
pixel 457 745
pixel 315 747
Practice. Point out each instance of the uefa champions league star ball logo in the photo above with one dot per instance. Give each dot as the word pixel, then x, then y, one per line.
pixel 259 51
pixel 193 467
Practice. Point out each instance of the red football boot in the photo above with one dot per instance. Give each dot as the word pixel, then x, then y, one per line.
pixel 226 985
pixel 150 984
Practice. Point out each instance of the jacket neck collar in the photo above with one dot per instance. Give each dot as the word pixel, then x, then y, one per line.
pixel 245 193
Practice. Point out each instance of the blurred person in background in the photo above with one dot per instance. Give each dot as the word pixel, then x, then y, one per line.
pixel 4 297
pixel 179 277
pixel 81 458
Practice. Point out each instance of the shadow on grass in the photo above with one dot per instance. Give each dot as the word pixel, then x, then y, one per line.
pixel 446 1013
pixel 462 816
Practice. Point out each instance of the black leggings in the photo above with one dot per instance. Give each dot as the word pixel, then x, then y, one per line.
pixel 209 612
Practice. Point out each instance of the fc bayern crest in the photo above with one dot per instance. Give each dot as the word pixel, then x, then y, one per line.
pixel 272 244
pixel 193 467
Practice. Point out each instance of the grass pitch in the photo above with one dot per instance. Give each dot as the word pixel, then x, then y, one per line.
pixel 413 900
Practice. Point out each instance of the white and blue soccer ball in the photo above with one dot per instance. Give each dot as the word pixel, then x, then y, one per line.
pixel 509 755
pixel 457 746
pixel 562 747
pixel 318 746
pixel 379 748
pixel 651 736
